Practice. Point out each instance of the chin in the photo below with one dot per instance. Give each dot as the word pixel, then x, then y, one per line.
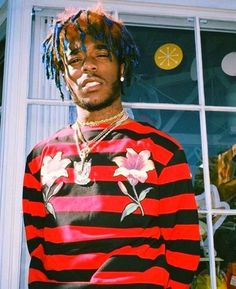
pixel 95 105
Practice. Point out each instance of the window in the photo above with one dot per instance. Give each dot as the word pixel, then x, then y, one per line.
pixel 185 86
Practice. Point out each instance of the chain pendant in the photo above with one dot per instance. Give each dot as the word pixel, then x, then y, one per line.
pixel 82 169
pixel 82 172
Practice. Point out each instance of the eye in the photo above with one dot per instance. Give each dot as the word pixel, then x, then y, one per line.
pixel 102 54
pixel 75 60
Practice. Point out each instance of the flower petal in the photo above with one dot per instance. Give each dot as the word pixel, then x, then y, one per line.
pixel 130 151
pixel 145 154
pixel 121 171
pixel 119 161
pixel 149 166
pixel 58 156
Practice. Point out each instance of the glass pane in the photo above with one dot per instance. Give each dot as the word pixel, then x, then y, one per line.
pixel 219 63
pixel 166 72
pixel 182 125
pixel 225 248
pixel 39 86
pixel 43 120
pixel 222 157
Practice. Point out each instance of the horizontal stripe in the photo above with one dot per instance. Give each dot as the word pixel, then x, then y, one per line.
pixel 62 134
pixel 174 189
pixel 169 205
pixel 155 275
pixel 77 233
pixel 37 275
pixel 181 260
pixel 177 285
pixel 181 232
pixel 104 173
pixel 184 217
pixel 101 246
pixel 32 232
pixel 144 128
pixel 180 275
pixel 95 260
pixel 44 285
pixel 174 173
pixel 35 164
pixel 101 203
pixel 159 153
pixel 31 182
pixel 93 219
pixel 34 208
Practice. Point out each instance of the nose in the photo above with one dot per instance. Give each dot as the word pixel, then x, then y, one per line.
pixel 89 65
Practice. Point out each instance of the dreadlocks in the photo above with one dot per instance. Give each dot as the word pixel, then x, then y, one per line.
pixel 72 25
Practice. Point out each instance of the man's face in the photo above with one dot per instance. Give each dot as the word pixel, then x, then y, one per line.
pixel 91 75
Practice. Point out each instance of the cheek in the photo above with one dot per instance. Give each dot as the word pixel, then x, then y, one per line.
pixel 72 78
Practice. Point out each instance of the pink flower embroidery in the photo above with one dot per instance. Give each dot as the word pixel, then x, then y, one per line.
pixel 134 167
pixel 52 169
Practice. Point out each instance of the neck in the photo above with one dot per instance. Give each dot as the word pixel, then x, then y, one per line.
pixel 85 116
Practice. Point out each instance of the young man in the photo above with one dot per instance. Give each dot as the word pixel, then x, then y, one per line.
pixel 108 201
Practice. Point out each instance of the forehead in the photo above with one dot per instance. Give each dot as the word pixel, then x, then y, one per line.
pixel 82 45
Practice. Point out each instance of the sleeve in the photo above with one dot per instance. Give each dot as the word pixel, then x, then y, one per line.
pixel 179 222
pixel 33 206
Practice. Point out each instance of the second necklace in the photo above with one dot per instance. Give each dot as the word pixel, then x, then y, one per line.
pixel 82 168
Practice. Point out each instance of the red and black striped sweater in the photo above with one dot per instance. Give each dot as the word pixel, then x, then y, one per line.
pixel 134 225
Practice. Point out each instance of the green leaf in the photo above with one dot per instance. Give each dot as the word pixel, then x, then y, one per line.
pixel 50 209
pixel 129 209
pixel 143 194
pixel 56 190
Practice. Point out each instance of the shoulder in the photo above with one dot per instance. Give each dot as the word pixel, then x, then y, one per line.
pixel 158 136
pixel 60 137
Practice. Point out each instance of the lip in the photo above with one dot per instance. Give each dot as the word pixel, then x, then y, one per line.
pixel 91 82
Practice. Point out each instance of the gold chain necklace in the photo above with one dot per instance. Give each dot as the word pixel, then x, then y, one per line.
pixel 82 169
pixel 97 122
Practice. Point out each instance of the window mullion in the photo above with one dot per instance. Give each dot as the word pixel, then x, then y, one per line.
pixel 205 157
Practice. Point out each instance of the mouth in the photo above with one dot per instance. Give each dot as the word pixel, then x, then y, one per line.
pixel 89 85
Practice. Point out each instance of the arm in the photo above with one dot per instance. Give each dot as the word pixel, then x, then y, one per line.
pixel 179 222
pixel 33 207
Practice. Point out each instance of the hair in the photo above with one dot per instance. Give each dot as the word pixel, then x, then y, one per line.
pixel 77 24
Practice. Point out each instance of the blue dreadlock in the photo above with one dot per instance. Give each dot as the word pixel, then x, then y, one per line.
pixel 98 25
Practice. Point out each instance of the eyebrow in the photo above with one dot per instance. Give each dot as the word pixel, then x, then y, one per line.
pixel 79 49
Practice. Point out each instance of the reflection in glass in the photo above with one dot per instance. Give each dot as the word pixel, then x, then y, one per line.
pixel 222 154
pixel 224 252
pixel 163 75
pixel 219 67
pixel 225 246
pixel 43 120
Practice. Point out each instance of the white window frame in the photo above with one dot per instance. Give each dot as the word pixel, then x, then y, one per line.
pixel 14 111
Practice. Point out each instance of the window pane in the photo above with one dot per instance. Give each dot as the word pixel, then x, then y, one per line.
pixel 166 72
pixel 222 155
pixel 219 63
pixel 43 120
pixel 225 248
pixel 39 86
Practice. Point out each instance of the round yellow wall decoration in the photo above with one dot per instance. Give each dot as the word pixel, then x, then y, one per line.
pixel 168 56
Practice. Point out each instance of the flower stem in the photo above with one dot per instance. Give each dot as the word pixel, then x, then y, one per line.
pixel 139 204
